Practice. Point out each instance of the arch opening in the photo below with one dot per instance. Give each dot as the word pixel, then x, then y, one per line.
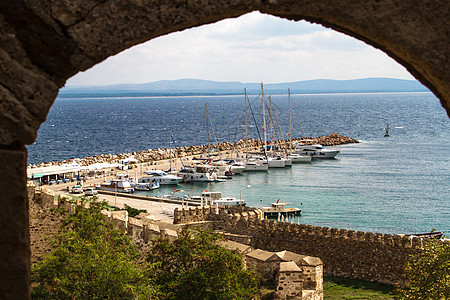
pixel 44 46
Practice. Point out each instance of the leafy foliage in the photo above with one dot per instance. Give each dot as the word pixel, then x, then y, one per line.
pixel 428 273
pixel 194 266
pixel 132 212
pixel 91 260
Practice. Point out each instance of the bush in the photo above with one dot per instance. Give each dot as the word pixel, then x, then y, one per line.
pixel 428 273
pixel 91 260
pixel 195 266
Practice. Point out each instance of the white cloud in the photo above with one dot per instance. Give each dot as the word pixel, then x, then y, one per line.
pixel 251 48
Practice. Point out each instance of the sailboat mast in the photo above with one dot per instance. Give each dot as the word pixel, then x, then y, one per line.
pixel 264 117
pixel 272 142
pixel 170 152
pixel 290 122
pixel 207 126
pixel 237 127
pixel 246 124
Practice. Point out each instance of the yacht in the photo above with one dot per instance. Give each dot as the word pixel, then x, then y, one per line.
pixel 237 167
pixel 222 168
pixel 315 151
pixel 276 162
pixel 116 185
pixel 199 173
pixel 252 164
pixel 161 176
pixel 216 198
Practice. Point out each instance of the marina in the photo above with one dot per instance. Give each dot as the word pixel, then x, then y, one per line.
pixel 389 185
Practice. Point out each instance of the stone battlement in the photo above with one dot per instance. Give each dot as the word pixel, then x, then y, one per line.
pixel 346 253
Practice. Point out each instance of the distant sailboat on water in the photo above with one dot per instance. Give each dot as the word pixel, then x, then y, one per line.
pixel 386 134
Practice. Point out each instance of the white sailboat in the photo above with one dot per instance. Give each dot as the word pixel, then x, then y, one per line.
pixel 295 157
pixel 273 162
pixel 252 164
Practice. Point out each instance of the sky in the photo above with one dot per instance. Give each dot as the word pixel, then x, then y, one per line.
pixel 252 48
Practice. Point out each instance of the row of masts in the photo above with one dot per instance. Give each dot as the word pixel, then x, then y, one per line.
pixel 271 114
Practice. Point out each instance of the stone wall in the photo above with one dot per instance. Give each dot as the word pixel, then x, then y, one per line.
pixel 345 253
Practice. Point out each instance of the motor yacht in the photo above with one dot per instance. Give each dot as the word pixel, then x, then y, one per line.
pixel 315 151
pixel 199 173
pixel 161 176
pixel 116 185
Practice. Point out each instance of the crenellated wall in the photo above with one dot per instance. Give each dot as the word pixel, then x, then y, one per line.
pixel 346 253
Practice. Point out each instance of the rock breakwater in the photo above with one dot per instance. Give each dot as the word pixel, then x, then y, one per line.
pixel 150 155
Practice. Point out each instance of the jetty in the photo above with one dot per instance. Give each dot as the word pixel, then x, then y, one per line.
pixel 160 154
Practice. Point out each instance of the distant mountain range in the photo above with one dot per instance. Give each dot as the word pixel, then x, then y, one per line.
pixel 208 87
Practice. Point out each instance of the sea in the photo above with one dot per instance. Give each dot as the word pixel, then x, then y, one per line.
pixel 396 184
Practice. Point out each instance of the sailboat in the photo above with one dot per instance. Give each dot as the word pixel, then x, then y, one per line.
pixel 296 158
pixel 273 162
pixel 386 134
pixel 251 164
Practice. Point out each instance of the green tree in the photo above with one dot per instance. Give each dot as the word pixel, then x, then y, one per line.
pixel 91 260
pixel 428 273
pixel 195 266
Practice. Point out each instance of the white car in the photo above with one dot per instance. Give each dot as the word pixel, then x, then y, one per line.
pixel 90 191
pixel 77 189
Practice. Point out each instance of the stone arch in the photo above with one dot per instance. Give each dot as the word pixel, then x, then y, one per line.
pixel 43 43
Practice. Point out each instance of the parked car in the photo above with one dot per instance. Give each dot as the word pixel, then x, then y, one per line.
pixel 77 189
pixel 90 191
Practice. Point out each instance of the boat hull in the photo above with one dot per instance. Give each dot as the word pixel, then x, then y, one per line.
pixel 300 159
pixel 276 163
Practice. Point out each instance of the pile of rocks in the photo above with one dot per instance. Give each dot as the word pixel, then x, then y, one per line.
pixel 165 153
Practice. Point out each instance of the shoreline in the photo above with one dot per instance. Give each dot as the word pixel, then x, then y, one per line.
pixel 155 155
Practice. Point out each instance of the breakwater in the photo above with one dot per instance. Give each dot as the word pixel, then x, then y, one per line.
pixel 150 155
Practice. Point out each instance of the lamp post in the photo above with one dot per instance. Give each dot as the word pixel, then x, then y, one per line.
pixel 240 192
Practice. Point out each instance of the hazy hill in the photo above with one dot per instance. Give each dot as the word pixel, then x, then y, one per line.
pixel 208 87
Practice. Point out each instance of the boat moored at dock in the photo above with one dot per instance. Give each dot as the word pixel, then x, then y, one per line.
pixel 297 158
pixel 278 209
pixel 160 176
pixel 147 186
pixel 116 185
pixel 199 173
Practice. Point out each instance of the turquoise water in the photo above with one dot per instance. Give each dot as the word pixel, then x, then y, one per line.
pixel 398 184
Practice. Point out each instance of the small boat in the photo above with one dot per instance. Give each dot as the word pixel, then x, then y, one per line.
pixel 174 194
pixel 229 201
pixel 315 151
pixel 278 209
pixel 214 198
pixel 147 186
pixel 297 158
pixel 116 185
pixel 430 235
